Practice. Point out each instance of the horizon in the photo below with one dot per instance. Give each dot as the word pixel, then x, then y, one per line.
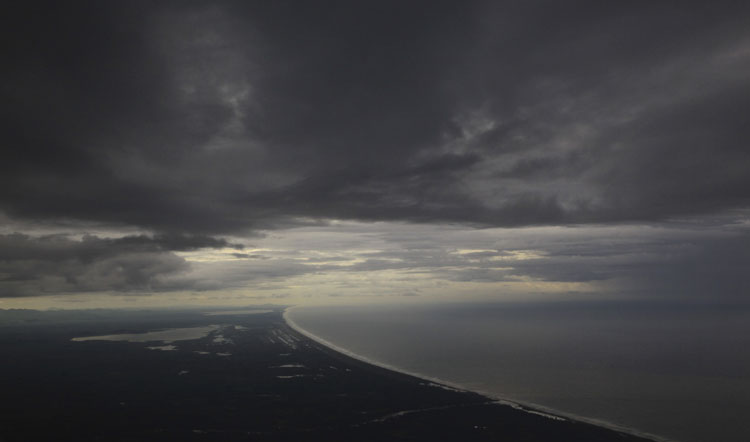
pixel 236 153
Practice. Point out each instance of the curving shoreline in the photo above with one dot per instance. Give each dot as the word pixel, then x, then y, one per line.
pixel 525 407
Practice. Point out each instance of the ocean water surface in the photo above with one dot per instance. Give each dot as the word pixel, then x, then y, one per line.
pixel 678 372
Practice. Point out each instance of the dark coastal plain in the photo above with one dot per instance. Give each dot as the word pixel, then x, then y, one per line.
pixel 251 378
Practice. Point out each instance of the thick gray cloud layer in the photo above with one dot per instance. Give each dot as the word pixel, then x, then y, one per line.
pixel 201 119
pixel 59 264
pixel 218 117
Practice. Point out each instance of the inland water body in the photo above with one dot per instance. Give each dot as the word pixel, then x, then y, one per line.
pixel 678 372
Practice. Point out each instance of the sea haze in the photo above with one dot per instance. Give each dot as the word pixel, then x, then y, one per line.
pixel 679 372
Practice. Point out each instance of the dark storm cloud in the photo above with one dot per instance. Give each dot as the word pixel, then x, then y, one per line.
pixel 59 264
pixel 221 117
pixel 174 242
pixel 193 119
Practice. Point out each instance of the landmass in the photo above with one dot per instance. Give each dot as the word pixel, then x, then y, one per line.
pixel 195 376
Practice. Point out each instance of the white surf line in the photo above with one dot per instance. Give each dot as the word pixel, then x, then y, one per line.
pixel 521 406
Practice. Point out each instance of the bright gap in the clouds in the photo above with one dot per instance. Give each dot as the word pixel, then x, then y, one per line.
pixel 350 262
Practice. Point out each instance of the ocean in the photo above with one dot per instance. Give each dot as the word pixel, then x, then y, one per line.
pixel 679 372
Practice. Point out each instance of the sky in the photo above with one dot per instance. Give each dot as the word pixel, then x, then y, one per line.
pixel 247 152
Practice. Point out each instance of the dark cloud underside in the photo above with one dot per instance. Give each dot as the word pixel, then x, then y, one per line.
pixel 60 264
pixel 219 117
pixel 189 121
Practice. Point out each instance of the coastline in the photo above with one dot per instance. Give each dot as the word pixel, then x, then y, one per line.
pixel 440 383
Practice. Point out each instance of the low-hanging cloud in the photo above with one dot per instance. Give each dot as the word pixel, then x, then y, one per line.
pixel 194 121
pixel 32 266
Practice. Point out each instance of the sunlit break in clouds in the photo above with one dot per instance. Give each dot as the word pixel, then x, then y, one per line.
pixel 178 153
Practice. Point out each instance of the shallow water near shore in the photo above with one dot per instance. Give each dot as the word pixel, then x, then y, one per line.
pixel 166 336
pixel 676 372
